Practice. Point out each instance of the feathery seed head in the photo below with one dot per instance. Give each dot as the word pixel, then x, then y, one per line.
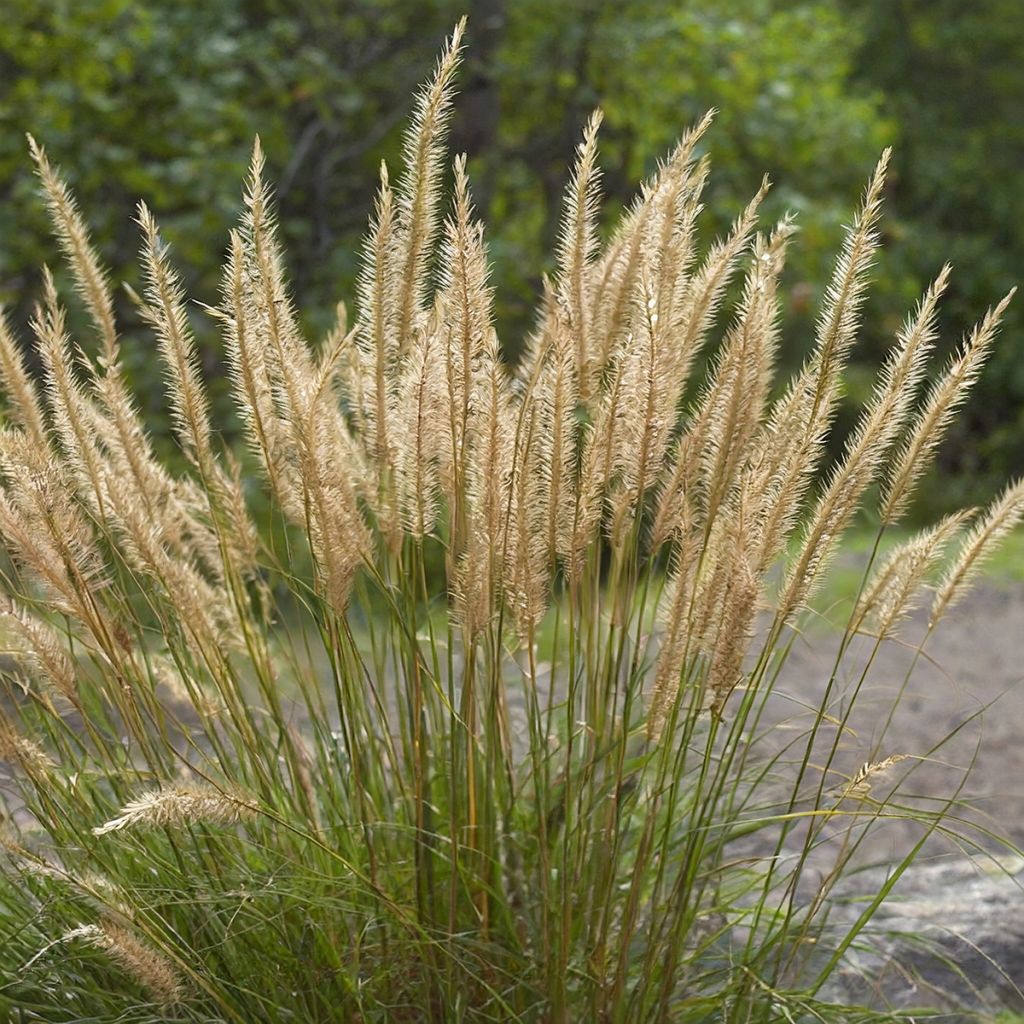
pixel 1005 513
pixel 178 806
pixel 151 970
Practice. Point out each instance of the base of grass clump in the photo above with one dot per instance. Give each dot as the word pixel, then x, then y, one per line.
pixel 474 727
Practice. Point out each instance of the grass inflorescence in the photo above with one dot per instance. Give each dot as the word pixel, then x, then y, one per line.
pixel 470 725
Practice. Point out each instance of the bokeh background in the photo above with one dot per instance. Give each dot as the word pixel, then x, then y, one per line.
pixel 160 101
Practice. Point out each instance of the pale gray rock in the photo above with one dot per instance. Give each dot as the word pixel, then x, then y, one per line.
pixel 949 937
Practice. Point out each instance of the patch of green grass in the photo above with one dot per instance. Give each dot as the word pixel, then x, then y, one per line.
pixel 832 603
pixel 1007 565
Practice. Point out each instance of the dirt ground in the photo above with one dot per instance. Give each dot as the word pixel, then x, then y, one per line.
pixel 969 682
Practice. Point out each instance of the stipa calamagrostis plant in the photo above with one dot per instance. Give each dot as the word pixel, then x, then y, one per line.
pixel 470 728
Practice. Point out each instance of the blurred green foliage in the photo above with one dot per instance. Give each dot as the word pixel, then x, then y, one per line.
pixel 161 101
pixel 137 99
pixel 952 75
pixel 776 73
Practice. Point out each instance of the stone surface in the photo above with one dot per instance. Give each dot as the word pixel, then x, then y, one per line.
pixel 949 937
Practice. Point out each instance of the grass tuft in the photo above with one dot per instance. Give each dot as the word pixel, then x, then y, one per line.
pixel 474 724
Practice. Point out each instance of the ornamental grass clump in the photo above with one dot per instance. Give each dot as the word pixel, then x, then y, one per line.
pixel 467 722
